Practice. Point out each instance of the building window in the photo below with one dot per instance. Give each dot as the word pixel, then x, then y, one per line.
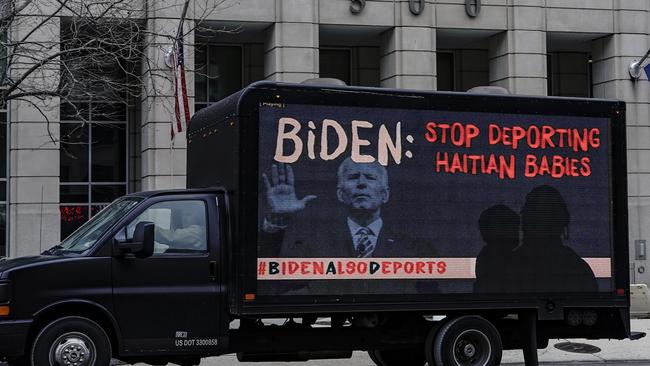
pixel 100 89
pixel 569 74
pixel 4 153
pixel 335 63
pixel 3 180
pixel 3 58
pixel 218 73
pixel 445 71
pixel 93 160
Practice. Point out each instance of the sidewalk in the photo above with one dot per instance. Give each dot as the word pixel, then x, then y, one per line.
pixel 610 350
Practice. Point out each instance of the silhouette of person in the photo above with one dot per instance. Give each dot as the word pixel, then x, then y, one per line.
pixel 499 226
pixel 546 264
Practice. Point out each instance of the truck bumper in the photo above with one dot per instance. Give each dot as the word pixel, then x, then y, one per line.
pixel 13 337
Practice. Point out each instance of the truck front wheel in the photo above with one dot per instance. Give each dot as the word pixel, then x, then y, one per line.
pixel 465 341
pixel 72 341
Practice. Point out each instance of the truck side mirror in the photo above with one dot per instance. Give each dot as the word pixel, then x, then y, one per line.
pixel 141 246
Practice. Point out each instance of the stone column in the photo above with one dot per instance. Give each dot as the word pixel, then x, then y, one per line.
pixel 408 51
pixel 164 167
pixel 517 57
pixel 34 223
pixel 611 58
pixel 291 49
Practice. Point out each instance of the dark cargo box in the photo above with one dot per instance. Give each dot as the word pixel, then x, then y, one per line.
pixel 359 199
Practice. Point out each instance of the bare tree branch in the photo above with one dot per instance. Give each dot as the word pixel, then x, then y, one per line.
pixel 47 119
pixel 37 66
pixel 100 53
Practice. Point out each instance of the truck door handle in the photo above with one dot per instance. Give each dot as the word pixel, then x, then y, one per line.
pixel 213 271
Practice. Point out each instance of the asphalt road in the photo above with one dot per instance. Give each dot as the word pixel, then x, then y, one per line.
pixel 361 359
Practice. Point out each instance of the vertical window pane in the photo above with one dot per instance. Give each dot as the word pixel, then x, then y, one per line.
pixel 445 65
pixel 3 191
pixel 549 73
pixel 224 71
pixel 3 58
pixel 74 152
pixel 74 194
pixel 200 77
pixel 568 74
pixel 3 145
pixel 71 218
pixel 3 230
pixel 335 64
pixel 108 112
pixel 75 111
pixel 107 193
pixel 108 152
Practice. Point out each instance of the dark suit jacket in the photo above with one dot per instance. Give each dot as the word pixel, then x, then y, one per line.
pixel 335 241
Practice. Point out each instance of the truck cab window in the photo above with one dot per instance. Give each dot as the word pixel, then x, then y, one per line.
pixel 180 227
pixel 84 238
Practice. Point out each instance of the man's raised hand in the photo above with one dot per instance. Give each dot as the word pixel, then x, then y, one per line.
pixel 281 192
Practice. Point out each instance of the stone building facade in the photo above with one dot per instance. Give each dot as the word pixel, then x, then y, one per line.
pixel 533 47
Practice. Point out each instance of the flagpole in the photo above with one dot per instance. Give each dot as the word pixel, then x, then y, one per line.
pixel 182 20
pixel 179 33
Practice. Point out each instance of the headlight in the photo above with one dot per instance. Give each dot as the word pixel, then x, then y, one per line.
pixel 4 292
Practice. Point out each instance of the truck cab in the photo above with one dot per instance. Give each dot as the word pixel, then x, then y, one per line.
pixel 94 295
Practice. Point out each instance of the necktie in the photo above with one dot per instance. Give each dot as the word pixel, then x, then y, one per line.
pixel 364 246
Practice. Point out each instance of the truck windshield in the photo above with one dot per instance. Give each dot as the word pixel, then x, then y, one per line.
pixel 87 235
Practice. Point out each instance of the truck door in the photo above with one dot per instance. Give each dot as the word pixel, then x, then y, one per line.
pixel 169 303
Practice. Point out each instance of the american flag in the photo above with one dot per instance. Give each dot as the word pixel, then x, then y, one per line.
pixel 181 102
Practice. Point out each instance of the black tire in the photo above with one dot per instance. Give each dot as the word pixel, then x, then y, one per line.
pixel 429 342
pixel 374 356
pixel 465 341
pixel 398 357
pixel 73 339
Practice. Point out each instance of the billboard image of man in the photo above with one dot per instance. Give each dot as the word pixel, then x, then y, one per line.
pixel 362 188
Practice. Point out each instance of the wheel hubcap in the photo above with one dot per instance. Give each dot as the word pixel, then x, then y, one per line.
pixel 73 349
pixel 469 350
pixel 472 348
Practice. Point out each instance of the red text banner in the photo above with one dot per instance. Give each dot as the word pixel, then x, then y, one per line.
pixel 383 268
pixel 364 268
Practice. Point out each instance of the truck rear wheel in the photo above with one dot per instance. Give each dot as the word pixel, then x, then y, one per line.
pixel 72 341
pixel 398 357
pixel 465 341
